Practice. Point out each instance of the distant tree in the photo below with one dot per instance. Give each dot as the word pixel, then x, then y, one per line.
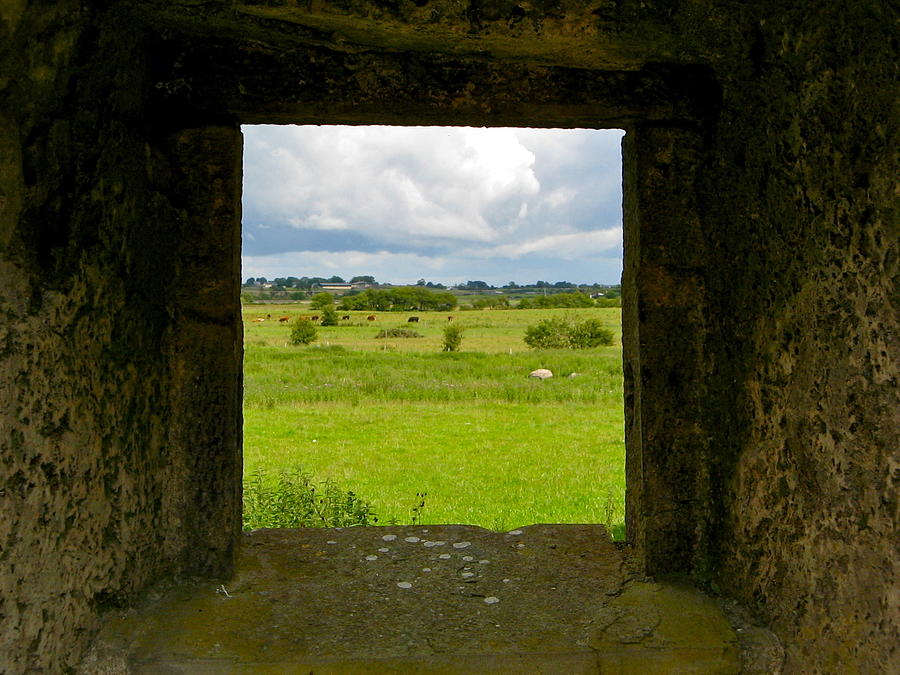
pixel 363 279
pixel 420 282
pixel 576 299
pixel 334 280
pixel 511 284
pixel 303 332
pixel 495 302
pixel 475 286
pixel 321 300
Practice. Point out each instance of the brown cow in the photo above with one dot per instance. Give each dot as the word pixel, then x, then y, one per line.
pixel 413 319
pixel 284 319
pixel 371 317
pixel 346 317
pixel 449 318
pixel 315 317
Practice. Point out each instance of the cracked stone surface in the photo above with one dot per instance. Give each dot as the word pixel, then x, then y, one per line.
pixel 442 599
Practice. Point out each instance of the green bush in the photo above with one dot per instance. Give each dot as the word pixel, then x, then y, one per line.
pixel 303 332
pixel 559 333
pixel 329 316
pixel 453 334
pixel 548 334
pixel 294 500
pixel 397 333
pixel 589 333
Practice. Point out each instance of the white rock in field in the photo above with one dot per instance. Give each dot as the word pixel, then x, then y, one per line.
pixel 541 373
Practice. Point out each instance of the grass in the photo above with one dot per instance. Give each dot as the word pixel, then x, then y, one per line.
pixel 488 445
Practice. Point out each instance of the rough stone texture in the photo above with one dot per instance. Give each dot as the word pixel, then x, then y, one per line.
pixel 107 369
pixel 437 599
pixel 761 287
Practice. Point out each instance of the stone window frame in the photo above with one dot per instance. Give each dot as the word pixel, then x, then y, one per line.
pixel 666 113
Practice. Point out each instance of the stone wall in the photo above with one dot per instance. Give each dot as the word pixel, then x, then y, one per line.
pixel 761 327
pixel 801 204
pixel 106 481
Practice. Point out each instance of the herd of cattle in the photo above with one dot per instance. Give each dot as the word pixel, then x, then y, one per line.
pixel 316 317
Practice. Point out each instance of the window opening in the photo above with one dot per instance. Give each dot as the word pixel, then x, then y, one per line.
pixel 382 230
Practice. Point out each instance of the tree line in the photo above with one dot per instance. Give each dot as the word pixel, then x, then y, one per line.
pixel 400 299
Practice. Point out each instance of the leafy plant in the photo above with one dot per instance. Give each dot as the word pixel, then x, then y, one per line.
pixel 548 334
pixel 329 316
pixel 589 333
pixel 560 333
pixel 303 332
pixel 295 500
pixel 416 511
pixel 453 334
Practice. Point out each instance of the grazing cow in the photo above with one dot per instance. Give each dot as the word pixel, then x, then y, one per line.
pixel 268 316
pixel 413 319
pixel 259 320
pixel 371 317
pixel 346 317
pixel 449 318
pixel 315 317
pixel 284 319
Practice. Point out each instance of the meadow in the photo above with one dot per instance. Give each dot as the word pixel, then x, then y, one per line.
pixel 394 418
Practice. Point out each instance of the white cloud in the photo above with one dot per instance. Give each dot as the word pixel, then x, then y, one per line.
pixel 563 246
pixel 559 197
pixel 427 197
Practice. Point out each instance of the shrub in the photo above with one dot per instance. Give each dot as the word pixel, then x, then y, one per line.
pixel 558 333
pixel 453 334
pixel 303 332
pixel 589 333
pixel 397 333
pixel 329 316
pixel 548 334
pixel 294 500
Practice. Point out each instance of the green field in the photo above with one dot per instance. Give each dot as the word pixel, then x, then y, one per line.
pixel 390 418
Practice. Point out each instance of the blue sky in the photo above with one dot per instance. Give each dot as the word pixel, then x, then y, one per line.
pixel 447 204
